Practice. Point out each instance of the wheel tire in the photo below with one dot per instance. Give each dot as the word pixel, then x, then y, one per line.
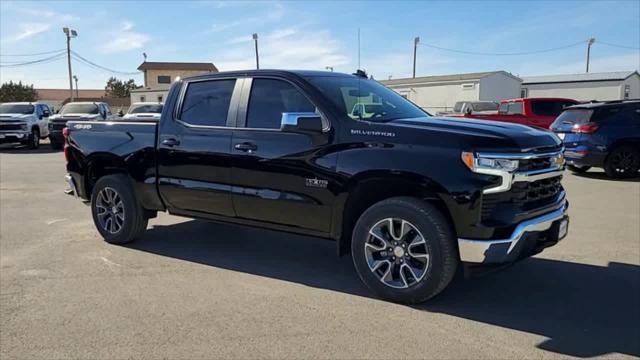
pixel 623 162
pixel 439 237
pixel 34 141
pixel 133 223
pixel 56 145
pixel 579 169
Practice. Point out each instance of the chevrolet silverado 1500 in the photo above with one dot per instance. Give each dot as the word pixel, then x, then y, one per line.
pixel 410 197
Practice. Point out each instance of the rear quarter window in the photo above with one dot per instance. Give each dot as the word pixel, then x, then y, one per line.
pixel 549 108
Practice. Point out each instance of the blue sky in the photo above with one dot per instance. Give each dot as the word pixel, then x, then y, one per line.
pixel 315 34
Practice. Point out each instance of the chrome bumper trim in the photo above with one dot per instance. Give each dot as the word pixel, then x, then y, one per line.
pixel 72 190
pixel 498 251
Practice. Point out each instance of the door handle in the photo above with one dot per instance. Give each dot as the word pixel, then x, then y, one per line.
pixel 246 146
pixel 171 142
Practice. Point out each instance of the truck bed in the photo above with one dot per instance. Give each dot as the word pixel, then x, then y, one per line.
pixel 130 144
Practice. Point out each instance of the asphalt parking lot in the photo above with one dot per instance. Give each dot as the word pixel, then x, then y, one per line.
pixel 192 289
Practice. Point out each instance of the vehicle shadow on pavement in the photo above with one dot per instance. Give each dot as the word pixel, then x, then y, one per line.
pixel 24 149
pixel 584 310
pixel 602 176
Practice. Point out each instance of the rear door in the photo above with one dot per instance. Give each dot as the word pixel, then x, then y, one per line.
pixel 194 145
pixel 279 177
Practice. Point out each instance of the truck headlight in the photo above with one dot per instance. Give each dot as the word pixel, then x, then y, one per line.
pixel 477 164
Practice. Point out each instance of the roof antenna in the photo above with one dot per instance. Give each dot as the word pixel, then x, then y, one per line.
pixel 358 48
pixel 145 56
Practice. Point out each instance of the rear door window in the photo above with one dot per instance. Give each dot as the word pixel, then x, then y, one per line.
pixel 548 108
pixel 515 108
pixel 269 99
pixel 206 103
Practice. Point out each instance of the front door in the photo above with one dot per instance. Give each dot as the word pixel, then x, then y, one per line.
pixel 194 148
pixel 279 177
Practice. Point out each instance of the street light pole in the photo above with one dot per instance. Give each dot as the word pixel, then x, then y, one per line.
pixel 255 39
pixel 416 40
pixel 589 43
pixel 77 91
pixel 69 33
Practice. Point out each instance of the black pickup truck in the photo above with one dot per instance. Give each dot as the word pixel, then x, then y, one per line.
pixel 411 197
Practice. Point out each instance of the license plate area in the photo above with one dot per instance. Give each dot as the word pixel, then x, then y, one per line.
pixel 559 229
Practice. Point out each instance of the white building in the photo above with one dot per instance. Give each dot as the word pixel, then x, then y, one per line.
pixel 441 92
pixel 584 87
pixel 158 77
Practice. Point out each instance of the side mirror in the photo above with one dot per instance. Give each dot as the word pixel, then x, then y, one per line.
pixel 302 122
pixel 46 113
pixel 468 110
pixel 120 113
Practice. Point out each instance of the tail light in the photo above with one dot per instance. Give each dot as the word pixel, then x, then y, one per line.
pixel 65 134
pixel 587 128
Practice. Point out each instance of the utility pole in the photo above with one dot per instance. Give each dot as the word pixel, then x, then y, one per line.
pixel 589 43
pixel 69 33
pixel 76 79
pixel 416 40
pixel 255 39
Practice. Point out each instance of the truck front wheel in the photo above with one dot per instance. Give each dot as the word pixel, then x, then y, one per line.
pixel 404 250
pixel 116 212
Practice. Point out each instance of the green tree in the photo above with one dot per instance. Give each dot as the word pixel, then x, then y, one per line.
pixel 120 89
pixel 11 91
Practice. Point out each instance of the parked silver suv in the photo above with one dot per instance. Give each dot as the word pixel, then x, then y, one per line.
pixel 24 122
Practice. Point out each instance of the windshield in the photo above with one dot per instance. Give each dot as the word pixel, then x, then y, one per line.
pixel 149 108
pixel 485 106
pixel 363 99
pixel 16 109
pixel 79 109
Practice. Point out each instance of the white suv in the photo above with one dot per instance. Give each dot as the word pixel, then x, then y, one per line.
pixel 144 111
pixel 24 122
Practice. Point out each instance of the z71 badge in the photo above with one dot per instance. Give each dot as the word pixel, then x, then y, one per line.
pixel 318 183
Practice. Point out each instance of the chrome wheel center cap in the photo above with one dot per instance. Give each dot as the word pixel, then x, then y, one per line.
pixel 114 209
pixel 398 251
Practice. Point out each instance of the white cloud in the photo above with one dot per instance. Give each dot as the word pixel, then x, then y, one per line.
pixel 26 31
pixel 125 39
pixel 275 13
pixel 286 48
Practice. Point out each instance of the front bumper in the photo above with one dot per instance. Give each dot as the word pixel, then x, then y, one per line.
pixel 528 238
pixel 14 136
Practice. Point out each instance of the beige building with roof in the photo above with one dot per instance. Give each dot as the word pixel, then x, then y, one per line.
pixel 158 77
pixel 620 85
pixel 441 92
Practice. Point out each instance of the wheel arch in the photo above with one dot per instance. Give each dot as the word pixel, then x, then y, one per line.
pixel 98 165
pixel 371 187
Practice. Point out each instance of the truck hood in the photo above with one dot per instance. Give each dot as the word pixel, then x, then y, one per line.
pixel 13 117
pixel 486 134
pixel 142 116
pixel 74 116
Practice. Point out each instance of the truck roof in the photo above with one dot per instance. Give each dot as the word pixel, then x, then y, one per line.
pixel 300 73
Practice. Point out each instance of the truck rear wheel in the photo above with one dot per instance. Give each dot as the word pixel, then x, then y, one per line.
pixel 116 212
pixel 404 250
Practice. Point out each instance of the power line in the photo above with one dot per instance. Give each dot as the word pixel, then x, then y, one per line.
pixel 34 54
pixel 88 62
pixel 503 54
pixel 618 46
pixel 39 61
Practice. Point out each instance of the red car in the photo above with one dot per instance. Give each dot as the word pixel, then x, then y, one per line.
pixel 540 112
